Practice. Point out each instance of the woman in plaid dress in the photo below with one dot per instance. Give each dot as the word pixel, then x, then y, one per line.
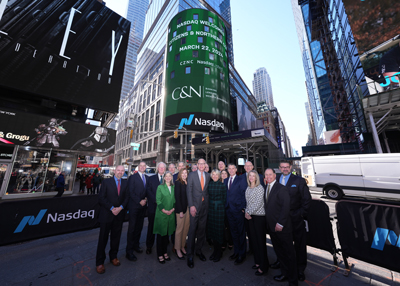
pixel 216 214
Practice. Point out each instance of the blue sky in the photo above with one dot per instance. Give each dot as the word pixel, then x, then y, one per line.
pixel 264 35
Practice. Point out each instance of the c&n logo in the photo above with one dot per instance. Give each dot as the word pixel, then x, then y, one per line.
pixel 383 234
pixel 56 217
pixel 186 91
pixel 201 122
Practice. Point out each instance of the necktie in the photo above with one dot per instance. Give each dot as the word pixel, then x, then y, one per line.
pixel 160 179
pixel 268 190
pixel 230 183
pixel 119 186
pixel 284 180
pixel 202 185
pixel 144 180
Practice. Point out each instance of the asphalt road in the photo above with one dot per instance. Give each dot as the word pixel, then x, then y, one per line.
pixel 69 259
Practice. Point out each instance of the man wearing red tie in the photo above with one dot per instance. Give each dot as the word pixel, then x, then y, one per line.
pixel 113 198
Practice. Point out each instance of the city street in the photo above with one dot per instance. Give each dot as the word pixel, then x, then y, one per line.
pixel 69 259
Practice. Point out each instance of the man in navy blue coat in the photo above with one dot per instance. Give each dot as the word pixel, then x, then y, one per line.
pixel 235 205
pixel 137 208
pixel 113 199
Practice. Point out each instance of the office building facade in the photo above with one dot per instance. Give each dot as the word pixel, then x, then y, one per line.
pixel 262 88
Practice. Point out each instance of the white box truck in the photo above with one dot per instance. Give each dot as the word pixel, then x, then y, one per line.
pixel 366 175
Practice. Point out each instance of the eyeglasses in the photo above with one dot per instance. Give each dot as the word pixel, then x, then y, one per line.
pixel 284 167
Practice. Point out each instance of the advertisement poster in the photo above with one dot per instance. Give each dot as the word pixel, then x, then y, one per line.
pixel 73 51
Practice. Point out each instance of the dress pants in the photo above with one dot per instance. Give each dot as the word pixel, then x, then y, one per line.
pixel 96 188
pixel 136 218
pixel 248 234
pixel 300 242
pixel 182 229
pixel 162 244
pixel 150 235
pixel 284 249
pixel 227 233
pixel 236 224
pixel 197 229
pixel 115 227
pixel 259 241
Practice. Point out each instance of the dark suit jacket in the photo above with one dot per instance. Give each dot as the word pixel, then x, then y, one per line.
pixel 300 197
pixel 277 208
pixel 194 191
pixel 108 197
pixel 175 177
pixel 236 195
pixel 151 190
pixel 137 191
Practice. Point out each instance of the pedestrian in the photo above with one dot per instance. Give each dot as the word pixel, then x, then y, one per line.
pixel 137 209
pixel 60 184
pixel 82 182
pixel 182 213
pixel 96 181
pixel 89 185
pixel 198 205
pixel 113 199
pixel 255 215
pixel 164 221
pixel 216 214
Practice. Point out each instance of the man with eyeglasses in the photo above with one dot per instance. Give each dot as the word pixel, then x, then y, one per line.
pixel 300 201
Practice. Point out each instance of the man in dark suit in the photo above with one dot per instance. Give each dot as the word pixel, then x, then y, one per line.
pixel 113 199
pixel 181 166
pixel 279 227
pixel 300 201
pixel 137 208
pixel 235 205
pixel 197 195
pixel 151 190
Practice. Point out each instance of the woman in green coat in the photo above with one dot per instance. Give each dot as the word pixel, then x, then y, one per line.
pixel 164 221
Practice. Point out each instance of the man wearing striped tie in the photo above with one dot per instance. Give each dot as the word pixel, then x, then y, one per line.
pixel 137 208
pixel 197 195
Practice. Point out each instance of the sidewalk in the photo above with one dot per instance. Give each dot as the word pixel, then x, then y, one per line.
pixel 69 259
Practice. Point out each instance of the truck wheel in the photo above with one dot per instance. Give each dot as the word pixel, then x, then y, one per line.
pixel 334 193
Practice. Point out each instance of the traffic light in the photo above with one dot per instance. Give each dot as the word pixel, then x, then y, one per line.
pixel 176 134
pixel 208 139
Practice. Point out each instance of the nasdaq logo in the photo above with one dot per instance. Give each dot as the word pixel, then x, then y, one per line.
pixel 383 234
pixel 31 220
pixel 186 121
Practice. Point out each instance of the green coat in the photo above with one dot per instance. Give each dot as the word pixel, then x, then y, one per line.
pixel 164 224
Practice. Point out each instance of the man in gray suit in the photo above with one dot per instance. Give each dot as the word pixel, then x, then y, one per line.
pixel 197 195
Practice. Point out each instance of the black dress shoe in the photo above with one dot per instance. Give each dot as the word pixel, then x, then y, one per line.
pixel 258 273
pixel 301 276
pixel 216 259
pixel 131 257
pixel 190 262
pixel 275 265
pixel 201 256
pixel 212 256
pixel 138 250
pixel 148 251
pixel 240 260
pixel 233 256
pixel 255 266
pixel 280 278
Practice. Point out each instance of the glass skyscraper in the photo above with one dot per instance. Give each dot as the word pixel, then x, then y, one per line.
pixel 262 88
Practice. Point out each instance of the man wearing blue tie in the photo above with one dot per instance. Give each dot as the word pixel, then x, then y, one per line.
pixel 137 208
pixel 300 201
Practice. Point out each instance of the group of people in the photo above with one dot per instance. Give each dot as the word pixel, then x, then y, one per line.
pixel 92 182
pixel 221 207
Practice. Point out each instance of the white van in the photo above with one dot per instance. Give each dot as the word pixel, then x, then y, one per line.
pixel 367 175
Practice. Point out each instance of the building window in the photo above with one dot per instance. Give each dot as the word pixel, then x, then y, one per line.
pixel 207 70
pixel 210 19
pixel 174 34
pixel 149 145
pixel 157 124
pixel 219 35
pixel 206 29
pixel 216 44
pixel 183 41
pixel 144 146
pixel 195 54
pixel 187 70
pixel 170 48
pixel 195 16
pixel 179 21
pixel 151 119
pixel 211 56
pixel 177 57
pixel 167 64
pixel 188 27
pixel 221 75
pixel 199 39
pixel 155 144
pixel 172 74
pixel 224 64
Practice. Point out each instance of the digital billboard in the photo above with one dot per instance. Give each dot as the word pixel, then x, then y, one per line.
pixel 19 128
pixel 72 51
pixel 376 30
pixel 196 80
pixel 246 120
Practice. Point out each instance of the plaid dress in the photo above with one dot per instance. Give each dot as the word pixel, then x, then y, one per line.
pixel 216 211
